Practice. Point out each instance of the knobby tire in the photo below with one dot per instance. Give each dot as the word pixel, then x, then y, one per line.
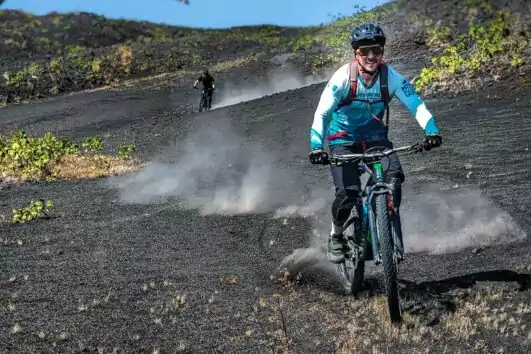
pixel 388 260
pixel 203 103
pixel 350 274
pixel 361 241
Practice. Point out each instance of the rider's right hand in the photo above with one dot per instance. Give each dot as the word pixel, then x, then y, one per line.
pixel 318 156
pixel 429 142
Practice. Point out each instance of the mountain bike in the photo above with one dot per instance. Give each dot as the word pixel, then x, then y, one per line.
pixel 203 102
pixel 376 235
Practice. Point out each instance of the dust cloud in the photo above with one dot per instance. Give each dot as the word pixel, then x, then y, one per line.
pixel 441 221
pixel 434 220
pixel 217 171
pixel 280 80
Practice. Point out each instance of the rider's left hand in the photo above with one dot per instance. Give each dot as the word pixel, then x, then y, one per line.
pixel 431 141
pixel 318 156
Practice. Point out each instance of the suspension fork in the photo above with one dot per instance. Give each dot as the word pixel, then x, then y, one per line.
pixel 372 227
pixel 395 220
pixel 377 188
pixel 380 187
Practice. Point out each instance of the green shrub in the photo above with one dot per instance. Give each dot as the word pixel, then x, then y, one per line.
pixel 92 144
pixel 486 48
pixel 34 210
pixel 124 150
pixel 31 159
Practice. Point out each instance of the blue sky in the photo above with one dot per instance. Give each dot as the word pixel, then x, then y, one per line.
pixel 203 13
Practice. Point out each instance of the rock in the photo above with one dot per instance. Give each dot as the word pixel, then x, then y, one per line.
pixel 477 250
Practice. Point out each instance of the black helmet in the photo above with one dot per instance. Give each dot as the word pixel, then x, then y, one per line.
pixel 205 71
pixel 367 33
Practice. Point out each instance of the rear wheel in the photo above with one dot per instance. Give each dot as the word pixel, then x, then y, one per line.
pixel 383 228
pixel 346 271
pixel 359 262
pixel 351 271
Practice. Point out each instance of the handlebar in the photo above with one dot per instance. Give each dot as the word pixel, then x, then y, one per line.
pixel 350 158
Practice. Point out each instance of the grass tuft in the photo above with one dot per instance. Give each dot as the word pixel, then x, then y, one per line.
pixel 26 158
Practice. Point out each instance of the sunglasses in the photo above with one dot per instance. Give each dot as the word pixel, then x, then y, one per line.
pixel 364 51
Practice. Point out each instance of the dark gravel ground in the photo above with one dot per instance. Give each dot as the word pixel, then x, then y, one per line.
pixel 103 275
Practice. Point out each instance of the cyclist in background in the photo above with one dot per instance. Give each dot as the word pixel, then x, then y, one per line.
pixel 208 84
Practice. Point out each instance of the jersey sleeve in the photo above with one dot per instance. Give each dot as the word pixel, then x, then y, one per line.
pixel 330 98
pixel 400 86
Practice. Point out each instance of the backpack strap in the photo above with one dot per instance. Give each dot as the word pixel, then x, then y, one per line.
pixel 353 72
pixel 384 89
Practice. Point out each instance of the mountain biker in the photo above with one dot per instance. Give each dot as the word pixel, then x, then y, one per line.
pixel 208 85
pixel 358 124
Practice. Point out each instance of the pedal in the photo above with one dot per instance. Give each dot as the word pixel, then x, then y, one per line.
pixel 399 257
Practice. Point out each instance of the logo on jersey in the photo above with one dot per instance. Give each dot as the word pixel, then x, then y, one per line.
pixel 408 89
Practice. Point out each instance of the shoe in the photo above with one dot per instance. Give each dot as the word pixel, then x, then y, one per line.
pixel 336 244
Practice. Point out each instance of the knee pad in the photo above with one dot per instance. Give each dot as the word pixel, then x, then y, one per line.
pixel 396 177
pixel 341 208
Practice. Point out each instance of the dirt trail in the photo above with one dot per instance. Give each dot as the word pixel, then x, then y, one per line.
pixel 134 264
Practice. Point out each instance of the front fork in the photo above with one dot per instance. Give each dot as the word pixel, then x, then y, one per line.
pixel 395 220
pixel 396 226
pixel 397 233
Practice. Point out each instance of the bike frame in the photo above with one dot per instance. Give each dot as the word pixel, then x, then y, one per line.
pixel 374 186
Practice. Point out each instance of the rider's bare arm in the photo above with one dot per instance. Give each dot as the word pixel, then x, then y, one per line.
pixel 336 88
pixel 402 88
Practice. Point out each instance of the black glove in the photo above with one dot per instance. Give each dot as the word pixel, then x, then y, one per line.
pixel 318 156
pixel 431 141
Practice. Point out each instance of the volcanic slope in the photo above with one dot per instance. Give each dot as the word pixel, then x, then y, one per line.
pixel 187 254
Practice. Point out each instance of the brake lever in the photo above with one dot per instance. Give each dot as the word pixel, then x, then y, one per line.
pixel 418 147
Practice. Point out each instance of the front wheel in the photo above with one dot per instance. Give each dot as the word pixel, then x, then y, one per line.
pixel 203 103
pixel 383 228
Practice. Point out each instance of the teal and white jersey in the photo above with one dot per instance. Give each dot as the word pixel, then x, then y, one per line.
pixel 363 121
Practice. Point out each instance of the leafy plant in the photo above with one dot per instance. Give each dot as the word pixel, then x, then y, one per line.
pixel 33 157
pixel 124 150
pixel 92 144
pixel 29 158
pixel 34 210
pixel 487 47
